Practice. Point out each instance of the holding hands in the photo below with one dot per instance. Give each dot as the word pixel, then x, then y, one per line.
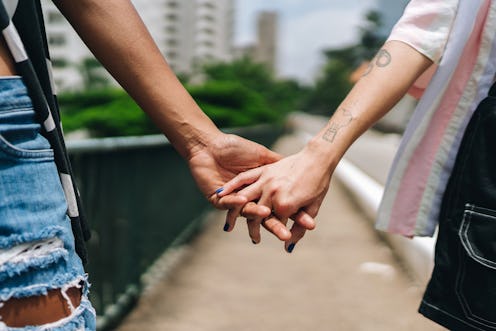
pixel 275 189
pixel 293 187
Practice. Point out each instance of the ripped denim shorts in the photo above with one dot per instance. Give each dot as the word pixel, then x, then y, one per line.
pixel 36 242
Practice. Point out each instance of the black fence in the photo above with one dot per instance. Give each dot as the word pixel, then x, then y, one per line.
pixel 141 200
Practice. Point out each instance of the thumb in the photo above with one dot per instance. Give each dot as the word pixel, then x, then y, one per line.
pixel 267 156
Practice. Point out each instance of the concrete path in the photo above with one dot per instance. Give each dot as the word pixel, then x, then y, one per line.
pixel 340 277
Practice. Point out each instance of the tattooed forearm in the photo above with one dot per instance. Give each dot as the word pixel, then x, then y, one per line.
pixel 382 59
pixel 337 124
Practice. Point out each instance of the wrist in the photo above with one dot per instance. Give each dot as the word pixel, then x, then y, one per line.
pixel 197 140
pixel 319 150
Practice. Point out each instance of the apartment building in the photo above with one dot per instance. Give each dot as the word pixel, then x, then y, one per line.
pixel 187 32
pixel 266 48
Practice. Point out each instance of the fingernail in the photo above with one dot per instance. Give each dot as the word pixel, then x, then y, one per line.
pixel 219 190
pixel 226 227
pixel 254 242
pixel 291 247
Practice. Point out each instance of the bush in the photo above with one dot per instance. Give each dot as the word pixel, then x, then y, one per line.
pixel 105 114
pixel 230 104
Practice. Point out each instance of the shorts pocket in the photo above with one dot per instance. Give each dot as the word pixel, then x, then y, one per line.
pixel 20 137
pixel 476 280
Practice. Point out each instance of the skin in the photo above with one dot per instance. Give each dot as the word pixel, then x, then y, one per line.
pixel 301 181
pixel 115 33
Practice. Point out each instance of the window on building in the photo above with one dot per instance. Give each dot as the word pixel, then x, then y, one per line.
pixel 171 17
pixel 207 43
pixel 57 39
pixel 207 17
pixel 172 42
pixel 171 29
pixel 208 4
pixel 171 56
pixel 59 63
pixel 55 16
pixel 208 31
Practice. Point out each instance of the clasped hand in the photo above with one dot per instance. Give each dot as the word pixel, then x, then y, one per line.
pixel 291 188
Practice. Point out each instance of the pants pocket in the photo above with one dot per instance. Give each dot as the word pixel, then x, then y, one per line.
pixel 476 279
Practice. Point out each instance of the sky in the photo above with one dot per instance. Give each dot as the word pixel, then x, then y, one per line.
pixel 306 27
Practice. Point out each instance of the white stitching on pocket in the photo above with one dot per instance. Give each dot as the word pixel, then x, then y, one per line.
pixel 468 249
pixel 463 233
pixel 13 150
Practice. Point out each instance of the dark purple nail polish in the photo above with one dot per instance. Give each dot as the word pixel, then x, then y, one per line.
pixel 291 247
pixel 226 227
pixel 219 190
pixel 254 242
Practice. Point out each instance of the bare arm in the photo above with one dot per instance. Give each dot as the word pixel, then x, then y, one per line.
pixel 389 76
pixel 115 33
pixel 300 181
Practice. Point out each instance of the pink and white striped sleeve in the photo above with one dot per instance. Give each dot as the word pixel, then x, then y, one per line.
pixel 425 26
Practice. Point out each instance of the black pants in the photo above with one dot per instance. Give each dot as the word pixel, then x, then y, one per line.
pixel 461 294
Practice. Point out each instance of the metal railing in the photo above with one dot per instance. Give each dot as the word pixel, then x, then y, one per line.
pixel 141 200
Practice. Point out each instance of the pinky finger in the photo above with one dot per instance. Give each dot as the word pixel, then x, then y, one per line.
pixel 231 216
pixel 297 232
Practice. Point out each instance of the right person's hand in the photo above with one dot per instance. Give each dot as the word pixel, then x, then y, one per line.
pixel 293 187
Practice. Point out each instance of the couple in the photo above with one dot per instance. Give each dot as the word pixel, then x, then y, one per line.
pixel 47 288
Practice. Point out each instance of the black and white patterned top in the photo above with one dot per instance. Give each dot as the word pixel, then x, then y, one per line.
pixel 26 39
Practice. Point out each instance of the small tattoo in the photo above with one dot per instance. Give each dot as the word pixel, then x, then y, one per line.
pixel 336 125
pixel 383 58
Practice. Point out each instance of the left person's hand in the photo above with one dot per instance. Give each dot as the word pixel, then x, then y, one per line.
pixel 224 157
pixel 221 160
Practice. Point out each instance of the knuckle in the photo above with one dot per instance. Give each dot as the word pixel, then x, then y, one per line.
pixel 283 207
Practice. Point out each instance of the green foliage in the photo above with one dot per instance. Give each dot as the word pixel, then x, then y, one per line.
pixel 104 114
pixel 334 83
pixel 282 96
pixel 234 94
pixel 231 104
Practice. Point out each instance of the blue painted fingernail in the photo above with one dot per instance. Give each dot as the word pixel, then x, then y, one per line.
pixel 254 242
pixel 291 247
pixel 219 190
pixel 226 227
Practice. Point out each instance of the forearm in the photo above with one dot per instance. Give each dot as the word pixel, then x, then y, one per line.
pixel 115 33
pixel 386 81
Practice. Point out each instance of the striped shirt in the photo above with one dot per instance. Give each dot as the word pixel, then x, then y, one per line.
pixel 26 39
pixel 460 37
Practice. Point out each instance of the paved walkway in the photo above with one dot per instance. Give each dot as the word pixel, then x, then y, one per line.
pixel 340 277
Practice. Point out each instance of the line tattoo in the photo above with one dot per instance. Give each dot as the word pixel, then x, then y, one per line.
pixel 382 59
pixel 336 125
pixel 369 68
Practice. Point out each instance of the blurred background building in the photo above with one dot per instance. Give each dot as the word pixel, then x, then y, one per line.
pixel 264 48
pixel 188 33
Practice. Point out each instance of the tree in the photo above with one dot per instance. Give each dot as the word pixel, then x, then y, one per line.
pixel 282 96
pixel 334 83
